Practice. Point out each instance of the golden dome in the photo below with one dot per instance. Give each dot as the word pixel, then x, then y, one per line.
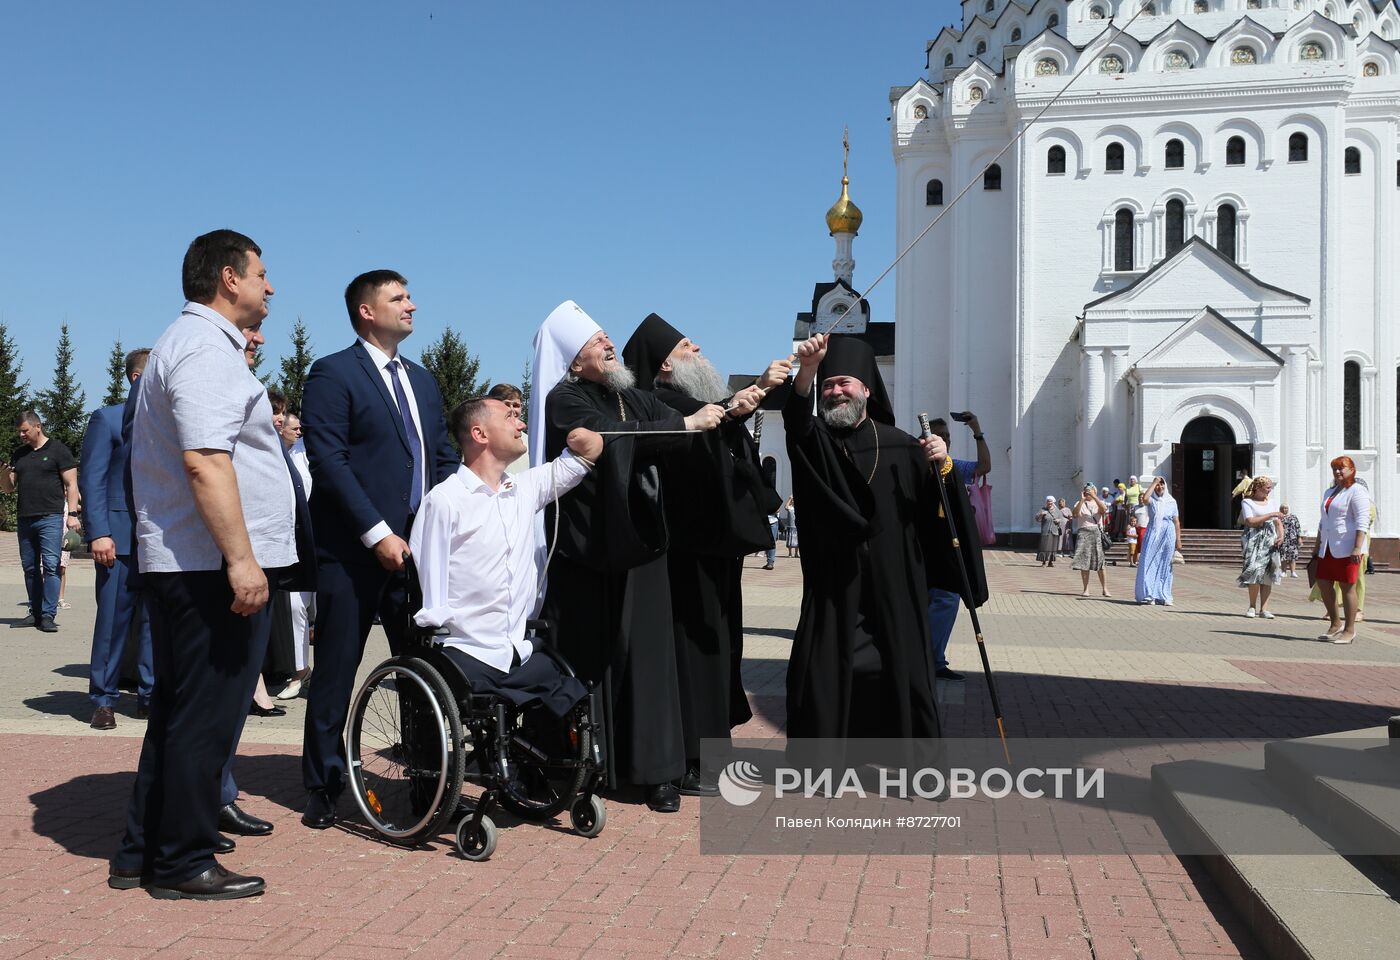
pixel 844 216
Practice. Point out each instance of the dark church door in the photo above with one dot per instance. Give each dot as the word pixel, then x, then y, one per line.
pixel 1206 465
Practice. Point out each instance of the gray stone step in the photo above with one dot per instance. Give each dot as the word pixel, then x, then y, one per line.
pixel 1306 903
pixel 1349 784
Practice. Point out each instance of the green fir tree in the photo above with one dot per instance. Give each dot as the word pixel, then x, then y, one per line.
pixel 454 368
pixel 14 399
pixel 63 406
pixel 116 375
pixel 296 367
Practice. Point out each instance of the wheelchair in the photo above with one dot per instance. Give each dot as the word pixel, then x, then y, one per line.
pixel 416 732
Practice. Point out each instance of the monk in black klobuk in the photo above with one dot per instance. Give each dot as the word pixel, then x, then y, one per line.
pixel 717 505
pixel 861 665
pixel 608 593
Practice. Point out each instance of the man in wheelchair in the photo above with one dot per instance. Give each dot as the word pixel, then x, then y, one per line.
pixel 474 546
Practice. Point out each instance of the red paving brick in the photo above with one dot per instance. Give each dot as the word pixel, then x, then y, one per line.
pixel 643 889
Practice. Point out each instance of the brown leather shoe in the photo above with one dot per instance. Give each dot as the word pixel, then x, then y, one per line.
pixel 103 718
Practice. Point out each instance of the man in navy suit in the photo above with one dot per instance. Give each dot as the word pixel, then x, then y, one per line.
pixel 112 540
pixel 377 442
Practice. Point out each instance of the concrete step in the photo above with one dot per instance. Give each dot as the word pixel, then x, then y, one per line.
pixel 1350 785
pixel 1304 902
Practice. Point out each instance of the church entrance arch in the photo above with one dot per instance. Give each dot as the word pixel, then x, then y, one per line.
pixel 1206 466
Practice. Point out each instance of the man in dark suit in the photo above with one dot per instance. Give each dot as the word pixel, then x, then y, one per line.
pixel 112 540
pixel 377 441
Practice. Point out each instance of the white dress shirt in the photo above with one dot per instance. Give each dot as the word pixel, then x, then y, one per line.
pixel 381 362
pixel 475 552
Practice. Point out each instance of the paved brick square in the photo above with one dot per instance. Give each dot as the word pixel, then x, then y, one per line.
pixel 1066 667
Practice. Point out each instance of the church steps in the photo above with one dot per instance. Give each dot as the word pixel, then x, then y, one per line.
pixel 1305 902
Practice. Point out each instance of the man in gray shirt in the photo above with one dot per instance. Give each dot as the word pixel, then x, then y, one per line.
pixel 214 512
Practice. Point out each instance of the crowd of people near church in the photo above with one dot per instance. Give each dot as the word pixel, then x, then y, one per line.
pixel 1146 515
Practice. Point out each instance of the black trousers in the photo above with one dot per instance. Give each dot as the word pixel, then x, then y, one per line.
pixel 347 598
pixel 207 660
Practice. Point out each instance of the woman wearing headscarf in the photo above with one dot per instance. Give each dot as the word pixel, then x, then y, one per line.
pixel 1049 519
pixel 1161 539
pixel 1343 534
pixel 1261 569
pixel 1066 528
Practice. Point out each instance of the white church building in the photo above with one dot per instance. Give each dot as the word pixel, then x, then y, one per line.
pixel 1186 266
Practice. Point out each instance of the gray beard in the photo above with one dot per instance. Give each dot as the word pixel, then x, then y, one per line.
pixel 843 416
pixel 697 377
pixel 618 378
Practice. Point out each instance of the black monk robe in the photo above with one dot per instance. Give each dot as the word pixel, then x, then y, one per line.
pixel 717 506
pixel 608 593
pixel 861 664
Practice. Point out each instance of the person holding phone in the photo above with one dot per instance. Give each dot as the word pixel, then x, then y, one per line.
pixel 1090 514
pixel 968 470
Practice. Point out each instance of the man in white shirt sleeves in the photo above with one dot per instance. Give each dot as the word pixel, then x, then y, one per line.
pixel 474 545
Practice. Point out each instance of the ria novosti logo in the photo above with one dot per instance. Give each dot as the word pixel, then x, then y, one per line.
pixel 740 783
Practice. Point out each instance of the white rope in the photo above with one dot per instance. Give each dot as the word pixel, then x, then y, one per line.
pixel 971 183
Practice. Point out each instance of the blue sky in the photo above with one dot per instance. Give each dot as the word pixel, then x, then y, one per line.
pixel 633 157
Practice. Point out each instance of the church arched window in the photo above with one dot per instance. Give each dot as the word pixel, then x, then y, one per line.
pixel 1123 240
pixel 948 60
pixel 1096 13
pixel 1176 154
pixel 1055 160
pixel 1176 226
pixel 991 5
pixel 1202 6
pixel 1351 405
pixel 1113 157
pixel 1351 163
pixel 1298 148
pixel 933 194
pixel 1227 230
pixel 1053 22
pixel 1234 152
pixel 991 180
pixel 981 47
pixel 1016 35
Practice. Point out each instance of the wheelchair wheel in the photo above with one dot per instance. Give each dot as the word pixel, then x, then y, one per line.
pixel 476 841
pixel 589 816
pixel 540 786
pixel 404 743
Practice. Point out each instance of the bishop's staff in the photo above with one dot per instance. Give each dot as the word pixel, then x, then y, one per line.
pixel 967 598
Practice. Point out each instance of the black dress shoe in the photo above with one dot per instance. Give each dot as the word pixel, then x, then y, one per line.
pixel 124 879
pixel 695 785
pixel 943 673
pixel 234 820
pixel 27 621
pixel 143 711
pixel 273 711
pixel 216 883
pixel 320 811
pixel 103 718
pixel 223 844
pixel 46 625
pixel 664 798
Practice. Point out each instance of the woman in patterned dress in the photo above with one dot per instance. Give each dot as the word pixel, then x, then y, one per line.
pixel 1263 531
pixel 1292 537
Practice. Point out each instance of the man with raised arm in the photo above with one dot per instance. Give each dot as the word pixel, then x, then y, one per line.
pixel 474 545
pixel 861 664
